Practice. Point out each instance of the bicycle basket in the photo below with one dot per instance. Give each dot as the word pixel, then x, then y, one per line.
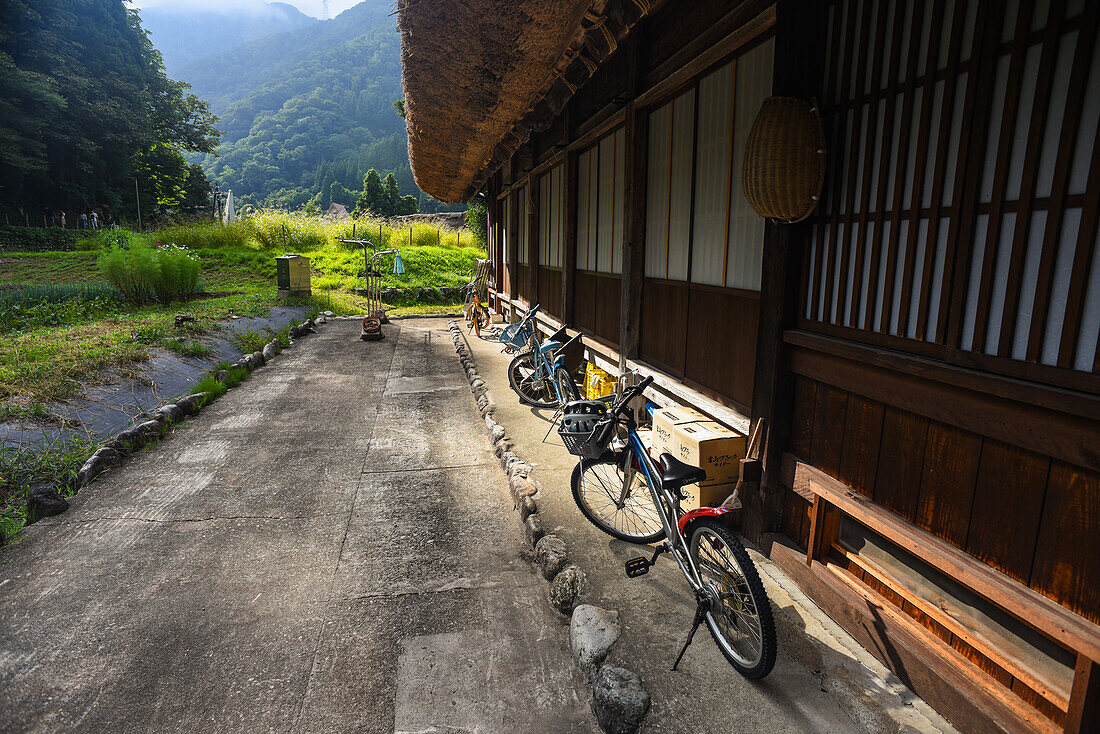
pixel 514 336
pixel 585 428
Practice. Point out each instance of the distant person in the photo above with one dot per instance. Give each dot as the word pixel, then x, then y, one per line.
pixel 83 220
pixel 62 219
pixel 95 219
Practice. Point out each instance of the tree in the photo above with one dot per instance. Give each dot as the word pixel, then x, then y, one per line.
pixel 85 107
pixel 477 219
pixel 390 195
pixel 370 200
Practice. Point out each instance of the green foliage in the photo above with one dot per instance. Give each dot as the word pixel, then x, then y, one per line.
pixel 206 235
pixel 272 228
pixel 250 341
pixel 35 239
pixel 211 387
pixel 477 220
pixel 85 106
pixel 23 467
pixel 33 306
pixel 143 273
pixel 186 347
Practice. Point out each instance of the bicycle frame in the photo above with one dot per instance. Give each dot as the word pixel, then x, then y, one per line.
pixel 673 519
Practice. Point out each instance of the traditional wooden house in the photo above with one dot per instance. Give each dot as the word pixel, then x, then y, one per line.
pixel 921 350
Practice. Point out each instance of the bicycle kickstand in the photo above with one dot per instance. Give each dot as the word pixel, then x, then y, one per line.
pixel 700 614
pixel 553 422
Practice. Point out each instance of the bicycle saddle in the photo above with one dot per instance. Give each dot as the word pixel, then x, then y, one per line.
pixel 549 346
pixel 675 473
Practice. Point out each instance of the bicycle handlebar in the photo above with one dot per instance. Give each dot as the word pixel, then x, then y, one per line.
pixel 629 394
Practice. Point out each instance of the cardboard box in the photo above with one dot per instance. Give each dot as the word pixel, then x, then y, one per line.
pixel 665 421
pixel 693 439
pixel 709 495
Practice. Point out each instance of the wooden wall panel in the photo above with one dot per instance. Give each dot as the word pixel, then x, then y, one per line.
pixel 901 456
pixel 830 410
pixel 802 424
pixel 584 301
pixel 721 341
pixel 862 436
pixel 947 482
pixel 550 291
pixel 664 313
pixel 1004 521
pixel 1067 552
pixel 608 303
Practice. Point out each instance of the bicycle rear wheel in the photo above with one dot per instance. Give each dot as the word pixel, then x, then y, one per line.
pixel 532 387
pixel 740 620
pixel 598 492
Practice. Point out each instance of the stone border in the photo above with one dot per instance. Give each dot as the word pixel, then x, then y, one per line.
pixel 44 500
pixel 619 698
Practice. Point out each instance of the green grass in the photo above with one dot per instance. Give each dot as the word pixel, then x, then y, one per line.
pixel 70 327
pixel 20 468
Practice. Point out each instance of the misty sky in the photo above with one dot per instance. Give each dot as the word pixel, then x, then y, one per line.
pixel 309 7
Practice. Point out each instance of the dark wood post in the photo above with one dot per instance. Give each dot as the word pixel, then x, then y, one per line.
pixel 636 139
pixel 797 73
pixel 513 245
pixel 1084 698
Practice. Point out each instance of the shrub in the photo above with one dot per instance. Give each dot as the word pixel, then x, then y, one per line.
pixel 145 274
pixel 250 341
pixel 207 235
pixel 36 239
pixel 33 306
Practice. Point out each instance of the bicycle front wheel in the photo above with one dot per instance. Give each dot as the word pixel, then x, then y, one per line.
pixel 627 514
pixel 481 319
pixel 740 619
pixel 529 383
pixel 567 386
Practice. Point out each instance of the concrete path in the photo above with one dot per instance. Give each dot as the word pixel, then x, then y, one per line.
pixel 823 681
pixel 329 547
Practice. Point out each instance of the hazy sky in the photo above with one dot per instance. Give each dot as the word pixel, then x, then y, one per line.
pixel 309 7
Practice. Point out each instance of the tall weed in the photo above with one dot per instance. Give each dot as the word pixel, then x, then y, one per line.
pixel 143 273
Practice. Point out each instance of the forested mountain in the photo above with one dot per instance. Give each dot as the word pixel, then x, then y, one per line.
pixel 306 114
pixel 86 110
pixel 184 34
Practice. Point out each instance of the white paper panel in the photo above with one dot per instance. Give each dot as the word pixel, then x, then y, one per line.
pixel 954 136
pixel 993 137
pixel 911 158
pixel 922 246
pixel 679 231
pixel 524 239
pixel 1086 133
pixel 618 205
pixel 899 275
pixel 713 162
pixel 937 278
pixel 1063 269
pixel 870 40
pixel 970 315
pixel 864 285
pixel 604 204
pixel 1027 284
pixel 658 167
pixel 934 144
pixel 584 183
pixel 811 284
pixel 545 216
pixel 558 255
pixel 1011 11
pixel 505 228
pixel 1056 111
pixel 1023 121
pixel 968 30
pixel 880 282
pixel 924 39
pixel 855 231
pixel 1000 283
pixel 1090 318
pixel 746 231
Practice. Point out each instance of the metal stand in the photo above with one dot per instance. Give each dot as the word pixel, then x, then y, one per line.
pixel 374 278
pixel 702 606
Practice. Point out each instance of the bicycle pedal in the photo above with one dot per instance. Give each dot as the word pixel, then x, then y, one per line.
pixel 636 567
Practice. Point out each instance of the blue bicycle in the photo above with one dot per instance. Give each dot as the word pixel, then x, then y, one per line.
pixel 538 374
pixel 624 493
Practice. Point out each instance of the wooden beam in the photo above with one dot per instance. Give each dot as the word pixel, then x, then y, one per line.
pixel 1084 701
pixel 1029 606
pixel 967 696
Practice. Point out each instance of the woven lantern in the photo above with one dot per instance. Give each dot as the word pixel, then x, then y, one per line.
pixel 784 166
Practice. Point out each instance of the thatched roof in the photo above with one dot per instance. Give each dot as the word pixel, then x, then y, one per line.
pixel 480 75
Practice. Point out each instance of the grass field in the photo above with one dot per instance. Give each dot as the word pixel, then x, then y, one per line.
pixel 60 326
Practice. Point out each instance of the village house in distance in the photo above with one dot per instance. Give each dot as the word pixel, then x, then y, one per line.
pixel 920 348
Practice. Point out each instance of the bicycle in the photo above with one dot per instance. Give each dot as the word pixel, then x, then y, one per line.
pixel 539 377
pixel 624 493
pixel 477 313
pixel 517 337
